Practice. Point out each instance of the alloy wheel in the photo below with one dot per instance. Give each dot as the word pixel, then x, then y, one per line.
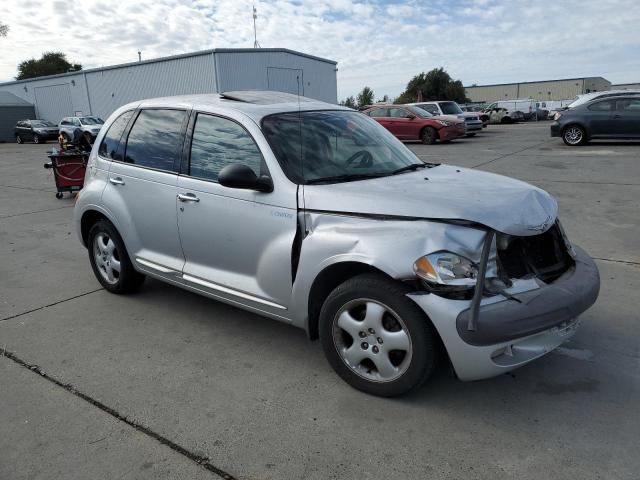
pixel 573 135
pixel 372 340
pixel 107 258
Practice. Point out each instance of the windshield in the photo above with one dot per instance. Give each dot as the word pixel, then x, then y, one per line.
pixel 41 123
pixel 450 108
pixel 88 121
pixel 311 146
pixel 420 112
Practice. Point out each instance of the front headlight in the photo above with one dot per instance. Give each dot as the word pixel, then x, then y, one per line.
pixel 444 123
pixel 446 269
pixel 557 116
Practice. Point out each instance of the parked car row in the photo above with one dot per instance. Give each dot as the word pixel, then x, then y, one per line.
pixel 40 131
pixel 429 122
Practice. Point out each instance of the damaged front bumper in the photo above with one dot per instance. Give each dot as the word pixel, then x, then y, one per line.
pixel 510 332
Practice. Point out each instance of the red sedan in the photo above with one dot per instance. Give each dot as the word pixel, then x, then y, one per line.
pixel 410 123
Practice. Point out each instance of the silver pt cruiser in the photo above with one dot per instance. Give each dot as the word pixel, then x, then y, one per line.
pixel 315 215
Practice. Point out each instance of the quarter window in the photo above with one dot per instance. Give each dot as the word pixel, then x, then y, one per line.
pixel 218 142
pixel 629 105
pixel 155 139
pixel 109 146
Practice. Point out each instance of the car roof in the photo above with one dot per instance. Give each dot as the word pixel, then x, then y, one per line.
pixel 255 104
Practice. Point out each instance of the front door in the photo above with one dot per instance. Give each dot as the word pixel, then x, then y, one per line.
pixel 141 191
pixel 403 126
pixel 601 118
pixel 237 243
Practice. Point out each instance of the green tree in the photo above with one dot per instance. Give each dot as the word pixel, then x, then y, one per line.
pixel 50 63
pixel 349 102
pixel 4 29
pixel 434 85
pixel 365 97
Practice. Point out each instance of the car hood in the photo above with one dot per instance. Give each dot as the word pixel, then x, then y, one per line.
pixel 444 193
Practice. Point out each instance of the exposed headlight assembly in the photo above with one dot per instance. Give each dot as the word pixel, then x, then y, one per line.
pixel 557 116
pixel 446 272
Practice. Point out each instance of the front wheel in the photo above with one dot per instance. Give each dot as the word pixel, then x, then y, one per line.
pixel 19 139
pixel 574 135
pixel 376 338
pixel 429 136
pixel 36 139
pixel 110 260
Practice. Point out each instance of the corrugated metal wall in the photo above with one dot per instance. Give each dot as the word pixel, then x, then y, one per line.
pixel 9 115
pixel 250 70
pixel 626 86
pixel 110 89
pixel 101 91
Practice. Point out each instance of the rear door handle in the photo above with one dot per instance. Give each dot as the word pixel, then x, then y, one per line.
pixel 188 197
pixel 117 181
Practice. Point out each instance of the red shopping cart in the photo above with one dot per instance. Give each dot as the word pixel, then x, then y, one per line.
pixel 68 170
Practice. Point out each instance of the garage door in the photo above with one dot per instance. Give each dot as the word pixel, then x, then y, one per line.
pixel 285 80
pixel 53 102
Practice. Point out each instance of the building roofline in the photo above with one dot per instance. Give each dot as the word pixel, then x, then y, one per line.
pixel 538 81
pixel 172 57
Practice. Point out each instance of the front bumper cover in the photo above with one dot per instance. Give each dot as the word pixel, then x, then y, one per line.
pixel 545 319
pixel 538 310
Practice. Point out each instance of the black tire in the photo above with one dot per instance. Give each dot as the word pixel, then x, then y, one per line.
pixel 574 135
pixel 470 134
pixel 128 279
pixel 506 120
pixel 429 135
pixel 66 137
pixel 384 292
pixel 36 139
pixel 58 195
pixel 19 139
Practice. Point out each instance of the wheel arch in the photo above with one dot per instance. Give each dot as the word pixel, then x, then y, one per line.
pixel 436 129
pixel 576 123
pixel 88 219
pixel 326 281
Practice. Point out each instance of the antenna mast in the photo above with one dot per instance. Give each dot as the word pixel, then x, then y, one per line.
pixel 255 34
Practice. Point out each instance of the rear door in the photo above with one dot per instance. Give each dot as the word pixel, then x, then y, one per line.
pixel 24 130
pixel 237 243
pixel 381 115
pixel 141 190
pixel 627 117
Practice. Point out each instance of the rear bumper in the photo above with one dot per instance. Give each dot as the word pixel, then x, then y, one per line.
pixel 510 334
pixel 555 129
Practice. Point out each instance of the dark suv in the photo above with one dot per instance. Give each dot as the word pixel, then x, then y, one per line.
pixel 37 130
pixel 605 118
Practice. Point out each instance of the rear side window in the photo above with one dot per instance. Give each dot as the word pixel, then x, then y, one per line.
pixel 218 142
pixel 398 113
pixel 109 146
pixel 430 108
pixel 629 105
pixel 155 139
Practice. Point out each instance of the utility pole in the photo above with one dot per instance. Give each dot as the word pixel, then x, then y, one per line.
pixel 139 56
pixel 255 33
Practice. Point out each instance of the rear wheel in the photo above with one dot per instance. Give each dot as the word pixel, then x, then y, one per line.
pixel 574 135
pixel 471 134
pixel 19 139
pixel 376 338
pixel 110 260
pixel 429 136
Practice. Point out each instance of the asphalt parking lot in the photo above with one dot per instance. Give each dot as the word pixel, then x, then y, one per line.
pixel 168 384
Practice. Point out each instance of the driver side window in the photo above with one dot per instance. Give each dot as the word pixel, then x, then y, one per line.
pixel 218 142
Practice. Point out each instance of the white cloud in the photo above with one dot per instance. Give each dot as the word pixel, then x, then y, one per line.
pixel 376 43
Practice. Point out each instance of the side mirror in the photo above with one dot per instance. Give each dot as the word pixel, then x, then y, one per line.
pixel 241 176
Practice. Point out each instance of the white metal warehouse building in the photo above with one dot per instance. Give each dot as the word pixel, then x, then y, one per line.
pixel 100 91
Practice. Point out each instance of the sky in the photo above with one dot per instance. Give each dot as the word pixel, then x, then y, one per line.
pixel 378 43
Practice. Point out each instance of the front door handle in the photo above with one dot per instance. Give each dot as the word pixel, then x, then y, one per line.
pixel 188 197
pixel 117 181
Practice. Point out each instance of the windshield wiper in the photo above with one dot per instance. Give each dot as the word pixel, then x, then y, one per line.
pixel 345 178
pixel 412 167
